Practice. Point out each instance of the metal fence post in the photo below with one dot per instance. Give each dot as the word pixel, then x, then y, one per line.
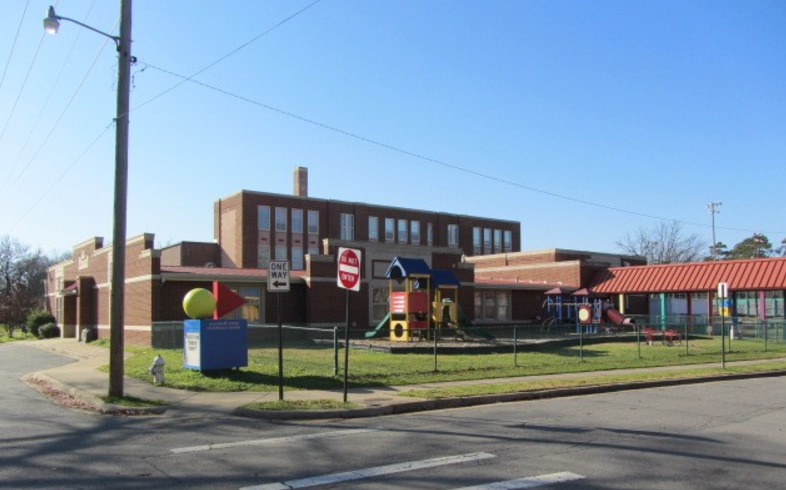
pixel 335 351
pixel 686 340
pixel 435 348
pixel 515 346
pixel 638 339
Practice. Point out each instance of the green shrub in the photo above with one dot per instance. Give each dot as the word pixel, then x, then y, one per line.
pixel 36 319
pixel 48 331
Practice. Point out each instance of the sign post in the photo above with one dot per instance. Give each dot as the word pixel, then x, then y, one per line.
pixel 277 282
pixel 348 277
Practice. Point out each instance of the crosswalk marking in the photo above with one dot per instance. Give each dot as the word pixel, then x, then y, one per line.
pixel 271 441
pixel 371 472
pixel 529 482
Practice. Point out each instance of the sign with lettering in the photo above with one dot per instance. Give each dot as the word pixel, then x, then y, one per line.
pixel 348 269
pixel 278 276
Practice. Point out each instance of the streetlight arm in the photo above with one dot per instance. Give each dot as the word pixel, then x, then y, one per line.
pixel 51 23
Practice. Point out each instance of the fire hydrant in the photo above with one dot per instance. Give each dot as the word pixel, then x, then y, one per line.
pixel 157 370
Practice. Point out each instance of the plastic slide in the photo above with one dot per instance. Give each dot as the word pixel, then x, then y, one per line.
pixel 618 318
pixel 381 327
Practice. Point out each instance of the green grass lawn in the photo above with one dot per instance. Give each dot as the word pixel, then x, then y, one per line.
pixel 309 366
pixel 18 335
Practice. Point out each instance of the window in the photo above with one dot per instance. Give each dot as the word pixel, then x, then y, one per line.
pixel 488 306
pixel 502 306
pixel 379 303
pixel 453 235
pixel 373 229
pixel 263 218
pixel 402 231
pixel 429 234
pixel 313 249
pixel 281 252
pixel 297 258
pixel 251 309
pixel 487 240
pixel 347 226
pixel 492 306
pixel 281 219
pixel 263 256
pixel 497 241
pixel 477 248
pixel 414 232
pixel 390 230
pixel 507 240
pixel 313 222
pixel 297 221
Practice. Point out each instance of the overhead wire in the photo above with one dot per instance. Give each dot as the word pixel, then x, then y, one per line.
pixel 13 180
pixel 224 57
pixel 43 194
pixel 22 89
pixel 13 45
pixel 436 161
pixel 234 51
pixel 48 98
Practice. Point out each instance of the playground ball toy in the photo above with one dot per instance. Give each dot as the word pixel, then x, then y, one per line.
pixel 199 303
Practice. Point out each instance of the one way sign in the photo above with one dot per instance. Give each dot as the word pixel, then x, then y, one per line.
pixel 278 276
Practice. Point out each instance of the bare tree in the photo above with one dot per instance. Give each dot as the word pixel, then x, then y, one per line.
pixel 22 272
pixel 666 243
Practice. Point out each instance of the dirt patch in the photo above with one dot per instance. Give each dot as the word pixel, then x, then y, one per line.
pixel 58 395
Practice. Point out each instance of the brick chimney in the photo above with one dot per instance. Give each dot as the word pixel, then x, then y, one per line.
pixel 301 181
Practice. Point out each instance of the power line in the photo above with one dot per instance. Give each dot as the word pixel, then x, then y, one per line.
pixel 22 89
pixel 13 46
pixel 239 48
pixel 12 180
pixel 234 51
pixel 48 98
pixel 57 181
pixel 437 161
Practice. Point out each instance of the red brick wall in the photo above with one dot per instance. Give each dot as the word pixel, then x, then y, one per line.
pixel 245 220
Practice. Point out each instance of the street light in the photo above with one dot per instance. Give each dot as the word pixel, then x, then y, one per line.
pixel 117 284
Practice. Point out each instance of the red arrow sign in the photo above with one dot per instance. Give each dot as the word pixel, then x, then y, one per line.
pixel 349 269
pixel 226 300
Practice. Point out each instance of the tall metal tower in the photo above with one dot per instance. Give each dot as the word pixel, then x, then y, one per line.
pixel 714 208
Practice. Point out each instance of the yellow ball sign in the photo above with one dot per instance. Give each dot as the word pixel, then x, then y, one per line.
pixel 199 303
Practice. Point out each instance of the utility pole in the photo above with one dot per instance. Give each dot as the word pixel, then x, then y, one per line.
pixel 117 317
pixel 714 208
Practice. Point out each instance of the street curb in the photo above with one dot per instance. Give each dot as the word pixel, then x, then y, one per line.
pixel 91 400
pixel 470 401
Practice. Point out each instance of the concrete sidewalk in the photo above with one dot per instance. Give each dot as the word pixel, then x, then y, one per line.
pixel 83 380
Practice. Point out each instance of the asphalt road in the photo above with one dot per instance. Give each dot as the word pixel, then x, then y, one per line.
pixel 723 435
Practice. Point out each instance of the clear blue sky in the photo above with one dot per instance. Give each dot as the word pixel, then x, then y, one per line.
pixel 583 120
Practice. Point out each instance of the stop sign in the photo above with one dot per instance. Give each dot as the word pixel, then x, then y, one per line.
pixel 349 269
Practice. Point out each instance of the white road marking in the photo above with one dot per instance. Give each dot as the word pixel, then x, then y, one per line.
pixel 371 472
pixel 272 441
pixel 529 482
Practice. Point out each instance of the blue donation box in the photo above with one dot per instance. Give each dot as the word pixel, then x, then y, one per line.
pixel 215 344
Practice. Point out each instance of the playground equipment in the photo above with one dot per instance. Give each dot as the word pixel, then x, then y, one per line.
pixel 564 306
pixel 419 298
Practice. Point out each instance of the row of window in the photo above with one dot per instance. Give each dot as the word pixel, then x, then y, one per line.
pixel 489 305
pixel 295 255
pixel 282 215
pixel 401 231
pixel 482 242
